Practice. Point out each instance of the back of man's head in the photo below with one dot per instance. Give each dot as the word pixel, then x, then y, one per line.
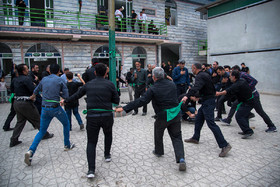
pixel 236 74
pixel 69 75
pixel 197 65
pixel 221 68
pixel 236 67
pixel 158 73
pixel 100 69
pixel 54 68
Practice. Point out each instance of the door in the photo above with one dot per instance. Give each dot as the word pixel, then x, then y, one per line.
pixel 42 63
pixel 37 13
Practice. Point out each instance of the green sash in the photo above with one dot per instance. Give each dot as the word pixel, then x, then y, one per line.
pixel 52 101
pixel 95 109
pixel 239 105
pixel 173 112
pixel 11 98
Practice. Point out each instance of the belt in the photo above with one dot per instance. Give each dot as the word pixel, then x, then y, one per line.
pixel 22 98
pixel 182 84
pixel 99 115
pixel 53 106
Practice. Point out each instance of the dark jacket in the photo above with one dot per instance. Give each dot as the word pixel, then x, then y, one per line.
pixel 203 85
pixel 22 86
pixel 100 92
pixel 89 74
pixel 163 95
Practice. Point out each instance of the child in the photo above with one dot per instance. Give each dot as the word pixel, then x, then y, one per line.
pixel 73 106
pixel 3 90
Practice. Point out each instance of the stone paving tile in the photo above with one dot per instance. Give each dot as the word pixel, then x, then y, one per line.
pixel 251 162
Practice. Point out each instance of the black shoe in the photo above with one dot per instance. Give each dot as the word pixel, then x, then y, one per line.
pixel 241 133
pixel 48 136
pixel 191 140
pixel 224 112
pixel 251 115
pixel 82 126
pixel 182 165
pixel 225 121
pixel 245 136
pixel 8 129
pixel 154 116
pixel 271 129
pixel 28 157
pixel 144 114
pixel 134 113
pixel 14 143
pixel 157 155
pixel 108 158
pixel 217 119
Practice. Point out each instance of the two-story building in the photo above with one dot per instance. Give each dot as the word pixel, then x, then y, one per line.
pixel 71 33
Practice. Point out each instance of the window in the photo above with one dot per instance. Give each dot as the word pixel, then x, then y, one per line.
pixel 170 12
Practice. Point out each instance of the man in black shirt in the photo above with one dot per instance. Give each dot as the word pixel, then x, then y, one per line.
pixel 242 91
pixel 206 89
pixel 149 75
pixel 133 21
pixel 140 79
pixel 46 72
pixel 89 74
pixel 163 96
pixel 23 88
pixel 74 105
pixel 33 75
pixel 130 83
pixel 101 93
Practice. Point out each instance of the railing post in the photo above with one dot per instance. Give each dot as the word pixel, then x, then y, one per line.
pixel 112 52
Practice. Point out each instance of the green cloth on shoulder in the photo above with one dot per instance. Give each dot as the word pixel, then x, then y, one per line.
pixel 11 98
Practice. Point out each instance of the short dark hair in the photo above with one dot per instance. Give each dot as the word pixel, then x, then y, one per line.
pixel 216 62
pixel 100 69
pixel 20 68
pixel 131 69
pixel 66 69
pixel 33 66
pixel 226 66
pixel 236 67
pixel 242 63
pixel 221 68
pixel 54 68
pixel 197 65
pixel 236 74
pixel 69 75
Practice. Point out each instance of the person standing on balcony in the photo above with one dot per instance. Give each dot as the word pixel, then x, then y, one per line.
pixel 21 11
pixel 119 16
pixel 133 21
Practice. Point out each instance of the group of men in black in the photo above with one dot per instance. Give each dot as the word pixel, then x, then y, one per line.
pixel 150 85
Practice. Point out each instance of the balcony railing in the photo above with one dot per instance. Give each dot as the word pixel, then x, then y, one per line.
pixel 12 15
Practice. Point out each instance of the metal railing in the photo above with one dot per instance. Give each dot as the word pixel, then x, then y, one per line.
pixel 12 15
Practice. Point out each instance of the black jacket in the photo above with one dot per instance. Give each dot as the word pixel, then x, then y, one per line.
pixel 203 85
pixel 22 86
pixel 163 95
pixel 101 93
pixel 89 74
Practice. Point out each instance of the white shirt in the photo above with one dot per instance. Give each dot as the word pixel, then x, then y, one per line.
pixel 3 86
pixel 143 18
pixel 119 14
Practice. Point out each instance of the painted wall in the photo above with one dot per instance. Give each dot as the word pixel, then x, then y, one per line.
pixel 254 28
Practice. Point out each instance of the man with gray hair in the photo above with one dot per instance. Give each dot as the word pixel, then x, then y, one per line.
pixel 163 96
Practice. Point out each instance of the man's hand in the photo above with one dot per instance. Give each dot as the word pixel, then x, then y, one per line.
pixel 32 97
pixel 184 99
pixel 135 75
pixel 183 72
pixel 36 78
pixel 193 98
pixel 62 103
pixel 219 93
pixel 119 110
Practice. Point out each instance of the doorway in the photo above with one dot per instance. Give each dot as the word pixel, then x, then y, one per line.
pixel 37 13
pixel 42 63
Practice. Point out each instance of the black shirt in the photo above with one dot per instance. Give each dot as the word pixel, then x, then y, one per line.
pixel 101 93
pixel 226 84
pixel 241 90
pixel 73 88
pixel 150 79
pixel 45 73
pixel 203 85
pixel 32 77
pixel 89 74
pixel 22 86
pixel 129 77
pixel 163 95
pixel 141 77
pixel 134 15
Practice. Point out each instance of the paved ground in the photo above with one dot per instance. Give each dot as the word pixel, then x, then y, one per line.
pixel 251 162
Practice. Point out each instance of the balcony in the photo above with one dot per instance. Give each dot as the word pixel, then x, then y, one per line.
pixel 67 25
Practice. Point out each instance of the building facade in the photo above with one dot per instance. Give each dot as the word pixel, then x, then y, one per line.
pixel 246 31
pixel 72 33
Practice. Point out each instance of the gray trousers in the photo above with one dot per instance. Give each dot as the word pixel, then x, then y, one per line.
pixel 26 111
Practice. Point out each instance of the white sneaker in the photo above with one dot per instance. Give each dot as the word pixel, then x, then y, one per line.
pixel 90 175
pixel 28 157
pixel 108 158
pixel 67 148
